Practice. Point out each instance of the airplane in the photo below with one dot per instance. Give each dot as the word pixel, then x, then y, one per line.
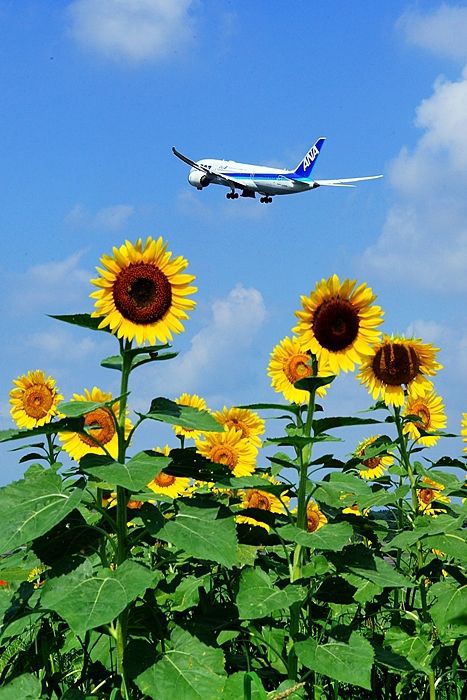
pixel 259 178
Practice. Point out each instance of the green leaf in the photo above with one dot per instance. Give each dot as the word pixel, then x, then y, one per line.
pixel 257 597
pixel 448 610
pixel 33 506
pixel 200 533
pixel 349 663
pixel 75 409
pixel 291 408
pixel 134 475
pixel 235 684
pixel 65 424
pixel 189 670
pixel 311 384
pixel 299 441
pixel 83 320
pixel 155 355
pixel 425 527
pixel 186 595
pixel 87 598
pixel 167 411
pixel 413 647
pixel 360 561
pixel 453 544
pixel 332 538
pixel 323 424
pixel 341 490
pixel 24 687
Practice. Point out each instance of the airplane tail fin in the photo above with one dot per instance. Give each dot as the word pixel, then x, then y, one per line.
pixel 304 168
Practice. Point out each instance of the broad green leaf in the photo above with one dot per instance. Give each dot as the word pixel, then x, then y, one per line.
pixel 453 544
pixel 65 424
pixel 299 441
pixel 311 384
pixel 341 490
pixel 189 670
pixel 332 538
pixel 257 597
pixel 167 411
pixel 413 647
pixel 186 595
pixel 33 506
pixel 388 658
pixel 357 559
pixel 24 687
pixel 87 598
pixel 187 462
pixel 366 590
pixel 448 610
pixel 235 685
pixel 324 424
pixel 291 408
pixel 200 533
pixel 134 475
pixel 425 527
pixel 83 320
pixel 116 361
pixel 349 663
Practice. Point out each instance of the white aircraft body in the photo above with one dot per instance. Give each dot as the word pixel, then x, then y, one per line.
pixel 252 179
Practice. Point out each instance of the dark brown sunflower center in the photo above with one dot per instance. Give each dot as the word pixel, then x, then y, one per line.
pixel 396 364
pixel 142 293
pixel 312 520
pixel 297 367
pixel 258 500
pixel 164 479
pixel 37 401
pixel 335 324
pixel 372 462
pixel 223 454
pixel 101 427
pixel 427 495
pixel 423 412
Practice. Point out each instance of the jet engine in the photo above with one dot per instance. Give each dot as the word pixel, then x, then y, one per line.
pixel 198 179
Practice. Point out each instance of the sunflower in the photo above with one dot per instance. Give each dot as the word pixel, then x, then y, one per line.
pixel 166 484
pixel 109 500
pixel 397 362
pixel 431 492
pixel 34 400
pixel 102 428
pixel 430 410
pixel 290 362
pixel 194 401
pixel 315 519
pixel 338 323
pixel 231 449
pixel 143 292
pixel 464 429
pixel 262 500
pixel 248 422
pixel 374 466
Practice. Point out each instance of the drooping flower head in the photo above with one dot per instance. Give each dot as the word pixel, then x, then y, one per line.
pixel 231 449
pixel 194 401
pixel 262 500
pixel 431 494
pixel 372 467
pixel 430 411
pixel 399 363
pixel 34 400
pixel 339 323
pixel 166 484
pixel 290 362
pixel 243 419
pixel 315 519
pixel 464 429
pixel 100 426
pixel 143 292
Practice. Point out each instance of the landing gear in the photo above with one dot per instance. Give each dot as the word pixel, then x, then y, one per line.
pixel 232 195
pixel 266 200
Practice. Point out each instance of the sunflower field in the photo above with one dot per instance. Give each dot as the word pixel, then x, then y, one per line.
pixel 244 560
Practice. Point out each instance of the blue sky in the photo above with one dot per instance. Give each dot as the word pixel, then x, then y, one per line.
pixel 96 92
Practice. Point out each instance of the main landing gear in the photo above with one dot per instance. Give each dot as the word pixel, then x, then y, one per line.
pixel 232 195
pixel 266 200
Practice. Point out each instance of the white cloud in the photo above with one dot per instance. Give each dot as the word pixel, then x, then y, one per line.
pixel 442 31
pixel 424 237
pixel 60 344
pixel 222 355
pixel 132 29
pixel 112 218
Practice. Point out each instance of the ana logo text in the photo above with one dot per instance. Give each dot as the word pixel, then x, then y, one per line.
pixel 310 156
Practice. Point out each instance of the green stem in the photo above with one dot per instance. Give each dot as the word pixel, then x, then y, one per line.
pixel 431 681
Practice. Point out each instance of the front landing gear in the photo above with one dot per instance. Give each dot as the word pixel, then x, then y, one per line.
pixel 266 200
pixel 232 195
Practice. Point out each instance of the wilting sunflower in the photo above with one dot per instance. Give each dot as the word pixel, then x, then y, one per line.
pixel 290 362
pixel 339 323
pixel 34 400
pixel 430 410
pixel 143 292
pixel 166 484
pixel 100 425
pixel 464 429
pixel 262 500
pixel 429 494
pixel 315 519
pixel 397 363
pixel 194 401
pixel 373 467
pixel 231 449
pixel 248 422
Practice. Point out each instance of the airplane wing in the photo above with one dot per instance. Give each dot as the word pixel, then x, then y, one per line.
pixel 228 180
pixel 345 182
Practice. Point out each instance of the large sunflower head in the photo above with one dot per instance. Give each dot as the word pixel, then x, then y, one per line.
pixel 262 500
pixel 290 362
pixel 166 484
pixel 430 495
pixel 231 449
pixel 248 422
pixel 464 429
pixel 372 467
pixel 34 400
pixel 399 363
pixel 430 411
pixel 338 322
pixel 143 292
pixel 314 517
pixel 100 424
pixel 194 401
